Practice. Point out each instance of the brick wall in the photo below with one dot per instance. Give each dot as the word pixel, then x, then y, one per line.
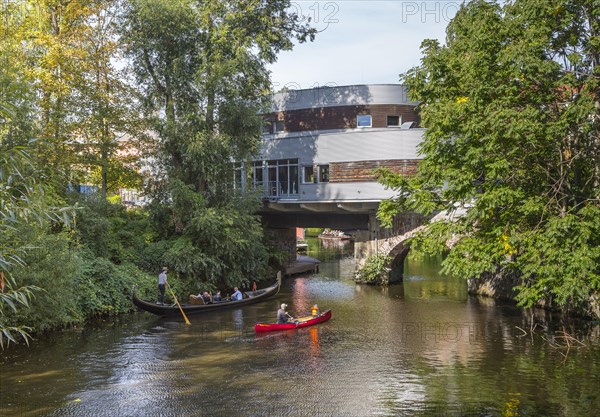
pixel 341 117
pixel 362 171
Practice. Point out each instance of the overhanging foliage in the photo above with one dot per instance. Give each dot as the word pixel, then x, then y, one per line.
pixel 511 104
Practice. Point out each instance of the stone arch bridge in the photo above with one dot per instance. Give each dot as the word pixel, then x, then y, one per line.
pixel 395 247
pixel 358 219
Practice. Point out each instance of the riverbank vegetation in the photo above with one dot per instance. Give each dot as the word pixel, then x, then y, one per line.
pixel 100 96
pixel 375 271
pixel 511 104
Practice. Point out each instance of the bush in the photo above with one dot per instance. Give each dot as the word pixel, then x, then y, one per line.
pixel 375 270
pixel 52 266
pixel 105 288
pixel 313 231
pixel 76 285
pixel 110 231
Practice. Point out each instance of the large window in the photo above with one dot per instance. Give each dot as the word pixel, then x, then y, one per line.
pixel 364 120
pixel 282 177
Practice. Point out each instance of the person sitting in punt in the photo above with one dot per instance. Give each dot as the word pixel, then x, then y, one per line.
pixel 207 297
pixel 282 315
pixel 217 297
pixel 237 295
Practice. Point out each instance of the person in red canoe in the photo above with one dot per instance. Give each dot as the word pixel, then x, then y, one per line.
pixel 282 315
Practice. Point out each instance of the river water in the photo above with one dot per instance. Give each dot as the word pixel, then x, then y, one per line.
pixel 421 348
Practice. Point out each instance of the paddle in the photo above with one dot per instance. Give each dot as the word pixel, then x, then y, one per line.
pixel 178 305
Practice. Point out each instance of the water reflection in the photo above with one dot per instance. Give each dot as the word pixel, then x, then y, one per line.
pixel 330 249
pixel 337 245
pixel 422 348
pixel 314 340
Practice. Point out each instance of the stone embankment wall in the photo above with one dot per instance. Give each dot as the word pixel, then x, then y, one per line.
pixel 500 285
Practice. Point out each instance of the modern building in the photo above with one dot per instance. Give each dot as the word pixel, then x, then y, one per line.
pixel 320 148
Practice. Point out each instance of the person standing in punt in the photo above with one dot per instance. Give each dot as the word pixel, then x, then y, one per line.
pixel 162 281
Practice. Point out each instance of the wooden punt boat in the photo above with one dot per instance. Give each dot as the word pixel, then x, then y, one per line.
pixel 299 322
pixel 250 297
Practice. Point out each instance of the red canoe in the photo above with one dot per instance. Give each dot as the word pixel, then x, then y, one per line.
pixel 299 322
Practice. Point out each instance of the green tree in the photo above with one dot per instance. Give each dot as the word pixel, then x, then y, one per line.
pixel 202 67
pixel 66 114
pixel 88 121
pixel 511 104
pixel 109 129
pixel 28 204
pixel 53 33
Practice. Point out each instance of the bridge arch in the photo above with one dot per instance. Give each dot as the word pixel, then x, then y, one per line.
pixel 397 248
pixel 398 255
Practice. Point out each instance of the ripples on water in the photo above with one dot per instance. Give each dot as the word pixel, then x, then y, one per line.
pixel 423 348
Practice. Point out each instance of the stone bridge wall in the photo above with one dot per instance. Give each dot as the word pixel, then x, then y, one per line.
pixel 386 240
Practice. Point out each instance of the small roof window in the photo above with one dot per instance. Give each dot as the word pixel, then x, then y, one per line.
pixel 364 120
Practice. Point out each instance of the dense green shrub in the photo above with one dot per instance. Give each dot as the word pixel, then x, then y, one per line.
pixel 76 285
pixel 152 257
pixel 375 270
pixel 111 231
pixel 52 266
pixel 216 246
pixel 313 231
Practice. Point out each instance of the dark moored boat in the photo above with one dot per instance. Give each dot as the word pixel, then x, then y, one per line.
pixel 300 322
pixel 250 297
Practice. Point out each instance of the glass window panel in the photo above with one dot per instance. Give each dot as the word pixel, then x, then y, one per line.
pixel 393 120
pixel 283 180
pixel 258 175
pixel 272 181
pixel 323 173
pixel 309 174
pixel 363 120
pixel 294 179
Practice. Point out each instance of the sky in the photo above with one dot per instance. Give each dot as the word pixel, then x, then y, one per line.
pixel 361 41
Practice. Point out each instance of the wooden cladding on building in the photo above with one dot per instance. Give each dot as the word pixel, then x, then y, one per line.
pixel 362 171
pixel 341 117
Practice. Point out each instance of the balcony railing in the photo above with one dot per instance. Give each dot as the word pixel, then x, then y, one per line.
pixel 276 189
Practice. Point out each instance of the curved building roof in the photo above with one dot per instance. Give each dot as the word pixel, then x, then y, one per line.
pixel 349 95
